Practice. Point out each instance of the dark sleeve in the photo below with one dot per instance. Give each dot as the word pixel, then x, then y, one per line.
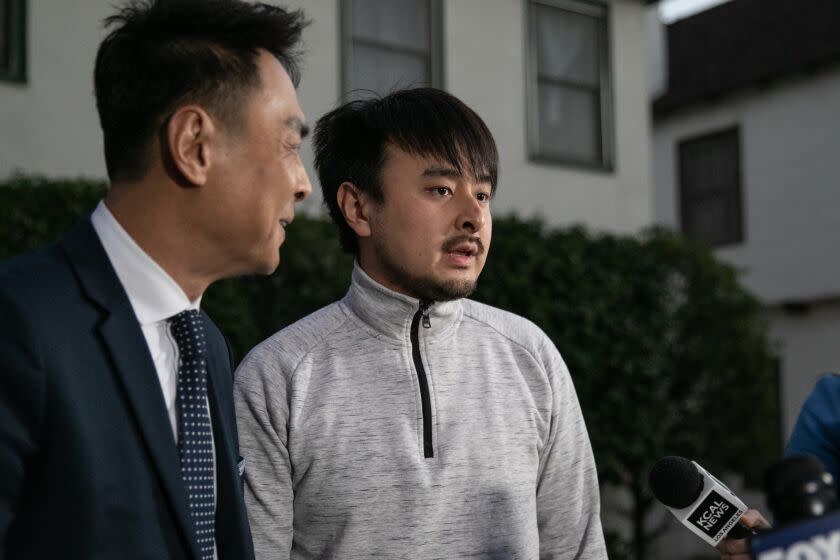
pixel 817 430
pixel 231 355
pixel 22 390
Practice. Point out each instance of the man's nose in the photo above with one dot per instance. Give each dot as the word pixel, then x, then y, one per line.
pixel 472 216
pixel 304 187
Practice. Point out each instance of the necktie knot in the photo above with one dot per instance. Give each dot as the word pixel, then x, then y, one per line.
pixel 188 331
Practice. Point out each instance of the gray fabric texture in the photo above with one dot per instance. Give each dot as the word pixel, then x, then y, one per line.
pixel 331 428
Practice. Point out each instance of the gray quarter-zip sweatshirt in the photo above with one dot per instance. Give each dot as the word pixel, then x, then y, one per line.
pixel 379 428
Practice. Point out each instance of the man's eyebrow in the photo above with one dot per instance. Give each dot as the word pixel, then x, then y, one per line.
pixel 452 173
pixel 298 126
pixel 448 172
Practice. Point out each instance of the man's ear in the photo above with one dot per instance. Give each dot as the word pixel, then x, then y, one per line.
pixel 355 205
pixel 190 134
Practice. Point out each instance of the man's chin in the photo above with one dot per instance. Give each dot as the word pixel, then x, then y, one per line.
pixel 268 264
pixel 445 289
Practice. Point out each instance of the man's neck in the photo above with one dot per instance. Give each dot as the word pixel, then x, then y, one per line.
pixel 152 224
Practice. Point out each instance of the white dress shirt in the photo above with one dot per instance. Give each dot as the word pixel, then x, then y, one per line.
pixel 155 297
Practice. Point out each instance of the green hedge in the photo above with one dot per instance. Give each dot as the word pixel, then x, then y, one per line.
pixel 666 349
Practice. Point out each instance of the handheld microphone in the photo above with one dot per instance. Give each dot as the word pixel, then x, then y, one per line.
pixel 698 500
pixel 800 494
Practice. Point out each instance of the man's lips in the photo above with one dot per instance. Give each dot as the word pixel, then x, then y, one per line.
pixel 464 246
pixel 467 249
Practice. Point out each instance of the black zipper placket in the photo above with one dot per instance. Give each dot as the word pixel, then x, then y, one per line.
pixel 425 398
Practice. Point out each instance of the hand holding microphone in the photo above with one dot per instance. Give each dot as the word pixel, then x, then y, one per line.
pixel 799 492
pixel 699 500
pixel 732 548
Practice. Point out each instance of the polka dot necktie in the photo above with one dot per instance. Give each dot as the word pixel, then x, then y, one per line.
pixel 195 437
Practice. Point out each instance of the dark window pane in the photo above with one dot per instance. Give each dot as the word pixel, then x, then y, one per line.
pixel 569 123
pixel 5 35
pixel 713 220
pixel 397 22
pixel 710 188
pixel 711 164
pixel 382 71
pixel 567 45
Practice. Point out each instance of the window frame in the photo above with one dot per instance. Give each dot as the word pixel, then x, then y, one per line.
pixel 16 72
pixel 436 46
pixel 684 201
pixel 606 128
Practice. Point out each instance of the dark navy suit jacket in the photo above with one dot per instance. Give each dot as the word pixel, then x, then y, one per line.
pixel 88 463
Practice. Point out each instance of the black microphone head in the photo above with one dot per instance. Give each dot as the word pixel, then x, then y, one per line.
pixel 799 488
pixel 675 482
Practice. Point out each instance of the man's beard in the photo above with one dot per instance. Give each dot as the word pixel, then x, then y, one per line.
pixel 422 287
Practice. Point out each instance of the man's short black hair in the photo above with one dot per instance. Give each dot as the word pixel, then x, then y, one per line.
pixel 164 53
pixel 350 143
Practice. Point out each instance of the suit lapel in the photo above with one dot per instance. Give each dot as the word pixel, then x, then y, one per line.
pixel 133 365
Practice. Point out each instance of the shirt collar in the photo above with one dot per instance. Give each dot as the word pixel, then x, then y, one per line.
pixel 153 294
pixel 390 313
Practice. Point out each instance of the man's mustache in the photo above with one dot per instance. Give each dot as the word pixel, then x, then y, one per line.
pixel 452 243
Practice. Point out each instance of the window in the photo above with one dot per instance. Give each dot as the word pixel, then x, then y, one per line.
pixel 391 45
pixel 569 96
pixel 12 40
pixel 710 188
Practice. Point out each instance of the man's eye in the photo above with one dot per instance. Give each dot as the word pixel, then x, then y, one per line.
pixel 483 197
pixel 442 191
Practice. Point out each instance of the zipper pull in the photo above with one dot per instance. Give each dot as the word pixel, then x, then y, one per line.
pixel 424 309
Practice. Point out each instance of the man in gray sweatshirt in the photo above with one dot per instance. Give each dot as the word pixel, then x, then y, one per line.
pixel 405 421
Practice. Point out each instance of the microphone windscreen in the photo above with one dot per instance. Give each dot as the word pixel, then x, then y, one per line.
pixel 675 482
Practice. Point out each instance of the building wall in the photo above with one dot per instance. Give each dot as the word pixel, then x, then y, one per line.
pixel 790 178
pixel 485 66
pixel 791 192
pixel 807 343
pixel 49 125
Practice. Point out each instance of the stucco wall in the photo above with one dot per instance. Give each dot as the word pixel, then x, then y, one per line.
pixel 50 126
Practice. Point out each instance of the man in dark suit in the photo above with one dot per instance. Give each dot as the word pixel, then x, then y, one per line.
pixel 117 430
